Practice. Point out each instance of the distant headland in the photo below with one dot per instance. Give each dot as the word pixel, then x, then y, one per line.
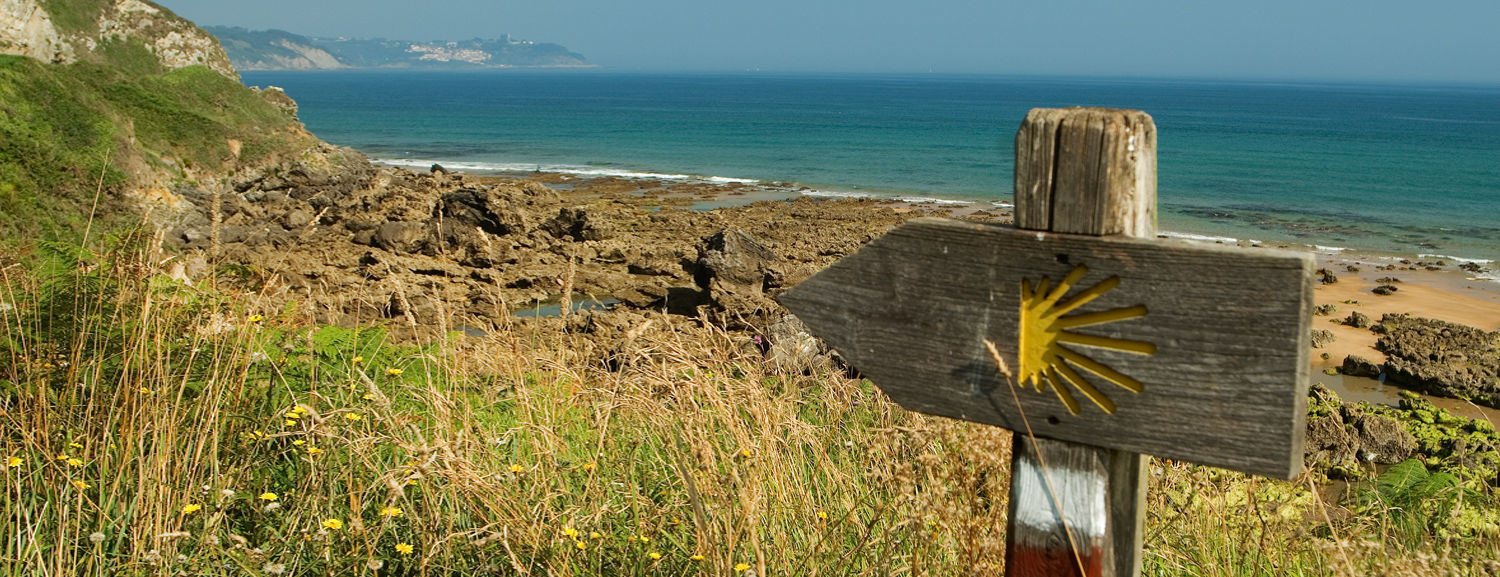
pixel 281 50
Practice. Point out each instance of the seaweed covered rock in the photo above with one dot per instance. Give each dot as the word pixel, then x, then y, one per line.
pixel 1342 438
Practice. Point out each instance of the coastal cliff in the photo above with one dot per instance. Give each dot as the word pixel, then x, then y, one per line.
pixel 126 101
pixel 281 50
pixel 64 32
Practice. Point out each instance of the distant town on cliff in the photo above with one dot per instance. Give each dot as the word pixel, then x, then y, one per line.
pixel 281 50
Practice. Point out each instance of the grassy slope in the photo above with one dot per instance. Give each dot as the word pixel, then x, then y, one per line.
pixel 63 127
pixel 164 419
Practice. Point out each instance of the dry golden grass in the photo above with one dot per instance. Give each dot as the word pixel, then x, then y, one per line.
pixel 163 428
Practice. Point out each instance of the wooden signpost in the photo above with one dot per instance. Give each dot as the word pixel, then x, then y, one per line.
pixel 1079 330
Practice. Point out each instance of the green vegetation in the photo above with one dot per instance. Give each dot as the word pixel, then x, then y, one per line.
pixel 76 16
pixel 154 427
pixel 69 131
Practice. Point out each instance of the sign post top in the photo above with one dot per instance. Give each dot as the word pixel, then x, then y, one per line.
pixel 1188 351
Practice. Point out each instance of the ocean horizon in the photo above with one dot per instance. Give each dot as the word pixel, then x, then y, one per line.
pixel 1392 169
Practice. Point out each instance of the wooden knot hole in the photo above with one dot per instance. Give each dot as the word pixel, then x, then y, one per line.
pixel 1062 258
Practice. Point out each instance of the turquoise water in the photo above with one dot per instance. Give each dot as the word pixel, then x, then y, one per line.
pixel 1399 169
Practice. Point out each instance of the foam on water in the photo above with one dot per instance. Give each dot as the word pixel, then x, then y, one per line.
pixel 1456 258
pixel 1198 237
pixel 560 169
pixel 932 200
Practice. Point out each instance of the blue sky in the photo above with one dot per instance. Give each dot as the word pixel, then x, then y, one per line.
pixel 1332 40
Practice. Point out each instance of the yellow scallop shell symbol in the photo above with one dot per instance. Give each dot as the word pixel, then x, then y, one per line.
pixel 1044 331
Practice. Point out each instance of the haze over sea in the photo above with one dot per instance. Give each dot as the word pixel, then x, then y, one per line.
pixel 1401 169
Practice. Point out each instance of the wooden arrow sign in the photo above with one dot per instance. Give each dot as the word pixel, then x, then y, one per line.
pixel 1188 351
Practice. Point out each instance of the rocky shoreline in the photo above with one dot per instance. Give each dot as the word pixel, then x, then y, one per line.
pixel 424 253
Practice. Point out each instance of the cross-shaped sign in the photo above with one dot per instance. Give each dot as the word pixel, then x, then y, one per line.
pixel 1079 326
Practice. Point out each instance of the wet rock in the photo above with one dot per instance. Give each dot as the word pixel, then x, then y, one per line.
pixel 1326 276
pixel 1357 366
pixel 1322 338
pixel 1441 358
pixel 1384 290
pixel 1357 320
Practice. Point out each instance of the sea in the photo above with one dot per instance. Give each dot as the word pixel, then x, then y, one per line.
pixel 1396 170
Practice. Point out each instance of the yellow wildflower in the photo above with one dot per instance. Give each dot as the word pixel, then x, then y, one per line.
pixel 391 512
pixel 75 445
pixel 313 450
pixel 76 462
pixel 268 496
pixel 654 555
pixel 255 318
pixel 745 453
pixel 697 557
pixel 358 360
pixel 293 415
pixel 369 396
pixel 515 468
pixel 80 484
pixel 62 457
pixel 334 524
pixel 590 466
pixel 353 416
pixel 13 462
pixel 393 371
pixel 404 548
pixel 595 535
pixel 290 422
pixel 580 545
pixel 645 539
pixel 570 532
pixel 741 567
pixel 822 516
pixel 146 391
pixel 190 508
pixel 299 442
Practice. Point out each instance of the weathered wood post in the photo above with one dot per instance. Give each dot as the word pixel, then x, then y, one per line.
pixel 1193 352
pixel 1088 172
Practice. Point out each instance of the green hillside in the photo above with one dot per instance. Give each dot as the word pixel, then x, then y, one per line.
pixel 115 121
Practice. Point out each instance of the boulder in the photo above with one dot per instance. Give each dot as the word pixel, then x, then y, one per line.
pixel 1357 320
pixel 1381 439
pixel 1441 358
pixel 1357 366
pixel 1328 442
pixel 398 237
pixel 578 224
pixel 789 345
pixel 735 271
pixel 1322 338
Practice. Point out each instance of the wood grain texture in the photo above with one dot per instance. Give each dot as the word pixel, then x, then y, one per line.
pixel 1050 477
pixel 1226 386
pixel 1084 141
pixel 1086 171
